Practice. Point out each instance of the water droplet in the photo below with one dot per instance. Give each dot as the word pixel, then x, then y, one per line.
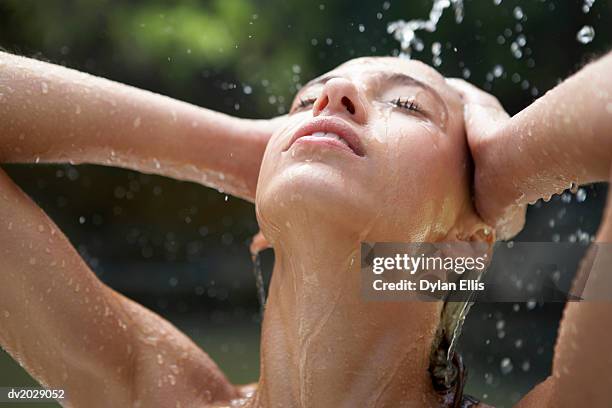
pixel 573 187
pixel 518 13
pixel 581 195
pixel 44 88
pixel 566 198
pixel 6 314
pixel 137 122
pixel 586 7
pixel 586 34
pixel 506 366
pixel 436 49
pixel 498 71
pixel 160 359
pixel 361 28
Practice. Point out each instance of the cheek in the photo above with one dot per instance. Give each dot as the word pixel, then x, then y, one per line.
pixel 274 148
pixel 421 178
pixel 414 159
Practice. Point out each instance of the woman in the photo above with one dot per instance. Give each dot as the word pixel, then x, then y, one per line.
pixel 373 151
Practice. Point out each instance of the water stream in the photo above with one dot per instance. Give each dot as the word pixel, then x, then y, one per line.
pixel 258 244
pixel 259 283
pixel 406 31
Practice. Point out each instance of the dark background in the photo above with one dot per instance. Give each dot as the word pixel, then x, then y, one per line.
pixel 181 248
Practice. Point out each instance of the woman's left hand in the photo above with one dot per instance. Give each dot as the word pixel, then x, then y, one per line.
pixel 494 192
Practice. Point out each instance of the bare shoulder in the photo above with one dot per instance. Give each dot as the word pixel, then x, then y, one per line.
pixel 539 397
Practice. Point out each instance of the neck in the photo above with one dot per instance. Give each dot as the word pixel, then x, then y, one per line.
pixel 323 345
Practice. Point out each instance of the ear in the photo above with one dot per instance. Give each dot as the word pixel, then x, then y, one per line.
pixel 481 232
pixel 469 228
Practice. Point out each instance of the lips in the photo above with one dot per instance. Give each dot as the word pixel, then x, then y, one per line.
pixel 331 131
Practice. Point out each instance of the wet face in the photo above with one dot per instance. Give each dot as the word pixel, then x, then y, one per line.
pixel 375 147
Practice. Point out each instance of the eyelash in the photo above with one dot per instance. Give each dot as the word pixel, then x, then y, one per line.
pixel 399 102
pixel 305 102
pixel 406 104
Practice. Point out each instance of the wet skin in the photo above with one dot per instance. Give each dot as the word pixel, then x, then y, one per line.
pixel 406 176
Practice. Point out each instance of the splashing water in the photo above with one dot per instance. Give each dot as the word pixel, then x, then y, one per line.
pixel 405 31
pixel 588 4
pixel 586 34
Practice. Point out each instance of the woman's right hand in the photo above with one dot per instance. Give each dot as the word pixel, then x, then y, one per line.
pixel 54 114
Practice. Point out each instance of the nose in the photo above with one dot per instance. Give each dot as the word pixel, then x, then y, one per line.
pixel 340 97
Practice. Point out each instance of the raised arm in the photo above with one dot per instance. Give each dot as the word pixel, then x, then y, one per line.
pixel 563 138
pixel 72 332
pixel 50 113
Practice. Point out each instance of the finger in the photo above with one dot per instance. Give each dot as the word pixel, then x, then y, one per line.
pixel 472 94
pixel 495 200
pixel 483 113
pixel 482 121
pixel 511 223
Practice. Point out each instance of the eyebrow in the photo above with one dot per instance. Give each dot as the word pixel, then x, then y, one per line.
pixel 396 78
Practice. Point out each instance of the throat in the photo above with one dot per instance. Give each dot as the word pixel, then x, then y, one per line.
pixel 324 345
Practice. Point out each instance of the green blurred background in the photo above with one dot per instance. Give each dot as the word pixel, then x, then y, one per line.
pixel 181 249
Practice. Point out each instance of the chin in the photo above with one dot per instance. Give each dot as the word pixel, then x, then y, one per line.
pixel 313 194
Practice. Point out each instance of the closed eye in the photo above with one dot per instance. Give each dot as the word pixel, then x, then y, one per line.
pixel 407 104
pixel 304 103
